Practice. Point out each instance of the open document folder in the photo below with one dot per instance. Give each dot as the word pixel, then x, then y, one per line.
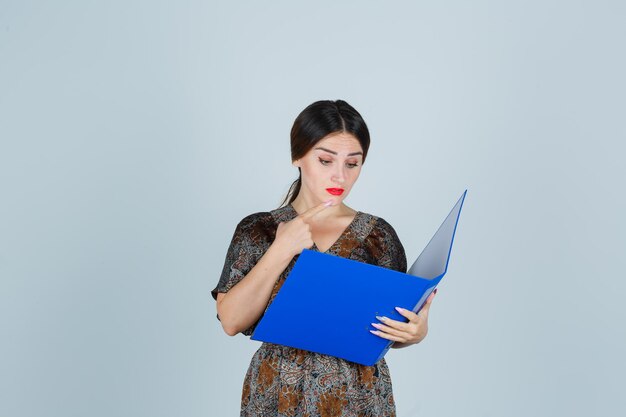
pixel 327 303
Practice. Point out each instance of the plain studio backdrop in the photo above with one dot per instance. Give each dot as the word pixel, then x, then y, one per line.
pixel 135 135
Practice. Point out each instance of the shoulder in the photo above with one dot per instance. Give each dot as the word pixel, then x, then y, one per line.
pixel 274 216
pixel 253 219
pixel 262 225
pixel 387 230
pixel 279 214
pixel 378 226
pixel 379 233
pixel 383 244
pixel 259 223
pixel 252 228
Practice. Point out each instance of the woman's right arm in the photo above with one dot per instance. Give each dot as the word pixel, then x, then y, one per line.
pixel 244 303
pixel 239 308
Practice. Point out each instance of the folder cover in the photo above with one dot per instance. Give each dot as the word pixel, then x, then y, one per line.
pixel 306 315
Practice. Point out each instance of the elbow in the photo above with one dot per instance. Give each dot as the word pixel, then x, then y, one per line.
pixel 230 330
pixel 231 323
pixel 228 327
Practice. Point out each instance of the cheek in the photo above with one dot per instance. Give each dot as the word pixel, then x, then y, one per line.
pixel 351 178
pixel 313 174
pixel 309 168
pixel 354 174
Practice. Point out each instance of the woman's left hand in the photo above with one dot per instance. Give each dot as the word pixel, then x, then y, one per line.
pixel 405 334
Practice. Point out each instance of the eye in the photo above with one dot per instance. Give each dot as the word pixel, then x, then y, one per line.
pixel 352 165
pixel 324 161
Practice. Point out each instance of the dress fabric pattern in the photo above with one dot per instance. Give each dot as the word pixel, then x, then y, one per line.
pixel 288 382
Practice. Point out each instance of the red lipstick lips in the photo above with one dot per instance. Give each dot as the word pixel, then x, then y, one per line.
pixel 335 191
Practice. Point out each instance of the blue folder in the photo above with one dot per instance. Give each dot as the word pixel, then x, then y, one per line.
pixel 327 303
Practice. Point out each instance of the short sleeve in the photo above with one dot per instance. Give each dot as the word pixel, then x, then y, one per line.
pixel 243 253
pixel 245 250
pixel 386 247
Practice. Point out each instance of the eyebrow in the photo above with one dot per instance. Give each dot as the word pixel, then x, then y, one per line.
pixel 335 153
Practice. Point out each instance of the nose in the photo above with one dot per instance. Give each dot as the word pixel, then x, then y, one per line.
pixel 339 175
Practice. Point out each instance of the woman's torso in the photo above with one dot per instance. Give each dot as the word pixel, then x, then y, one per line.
pixel 285 381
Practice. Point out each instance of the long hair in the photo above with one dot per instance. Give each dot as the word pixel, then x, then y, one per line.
pixel 317 121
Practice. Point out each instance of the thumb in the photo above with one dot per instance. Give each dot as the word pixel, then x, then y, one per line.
pixel 429 300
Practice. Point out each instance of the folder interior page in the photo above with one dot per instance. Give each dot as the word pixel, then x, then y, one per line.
pixel 433 261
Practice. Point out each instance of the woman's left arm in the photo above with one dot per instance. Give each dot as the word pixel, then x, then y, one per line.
pixel 405 334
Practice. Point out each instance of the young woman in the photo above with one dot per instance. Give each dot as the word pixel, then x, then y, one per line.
pixel 329 143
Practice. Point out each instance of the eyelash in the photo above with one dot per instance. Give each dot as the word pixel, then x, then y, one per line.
pixel 325 163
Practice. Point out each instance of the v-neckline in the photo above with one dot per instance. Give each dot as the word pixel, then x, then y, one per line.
pixel 341 236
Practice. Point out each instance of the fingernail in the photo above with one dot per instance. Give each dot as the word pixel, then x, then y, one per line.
pixel 400 309
pixel 376 325
pixel 374 332
pixel 381 318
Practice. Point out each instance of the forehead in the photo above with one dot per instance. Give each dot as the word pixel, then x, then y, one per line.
pixel 341 142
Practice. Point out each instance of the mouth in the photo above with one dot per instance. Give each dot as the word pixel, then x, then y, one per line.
pixel 335 191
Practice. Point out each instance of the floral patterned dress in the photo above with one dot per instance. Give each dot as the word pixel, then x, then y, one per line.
pixel 283 381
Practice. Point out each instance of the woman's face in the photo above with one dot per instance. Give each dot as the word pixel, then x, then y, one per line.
pixel 330 168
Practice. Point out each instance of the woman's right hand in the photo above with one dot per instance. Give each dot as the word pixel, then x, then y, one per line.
pixel 295 235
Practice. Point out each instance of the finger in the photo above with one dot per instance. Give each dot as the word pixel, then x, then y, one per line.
pixel 314 210
pixel 424 311
pixel 391 331
pixel 388 336
pixel 431 297
pixel 395 324
pixel 407 313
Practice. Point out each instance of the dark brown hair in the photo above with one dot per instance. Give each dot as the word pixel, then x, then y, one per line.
pixel 317 121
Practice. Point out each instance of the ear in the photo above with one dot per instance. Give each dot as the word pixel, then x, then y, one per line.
pixel 296 163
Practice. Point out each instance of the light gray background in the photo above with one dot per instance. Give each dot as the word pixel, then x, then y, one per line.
pixel 136 134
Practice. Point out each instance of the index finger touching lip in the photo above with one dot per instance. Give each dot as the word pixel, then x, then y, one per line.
pixel 316 209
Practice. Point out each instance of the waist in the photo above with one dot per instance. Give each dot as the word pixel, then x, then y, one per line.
pixel 282 352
